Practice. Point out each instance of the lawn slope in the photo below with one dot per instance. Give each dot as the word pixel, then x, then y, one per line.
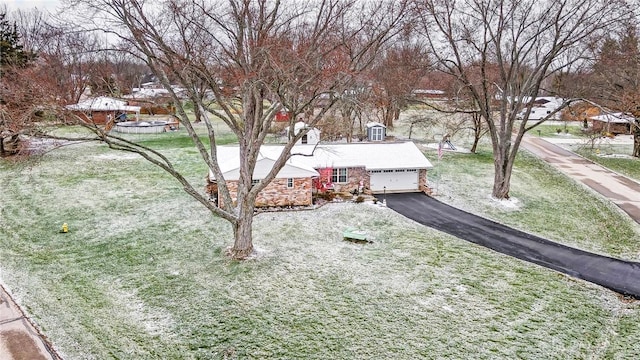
pixel 141 275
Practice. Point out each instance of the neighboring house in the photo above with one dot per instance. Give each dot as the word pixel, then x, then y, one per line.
pixel 376 131
pixel 542 107
pixel 312 137
pixel 153 101
pixel 613 123
pixel 100 110
pixel 361 167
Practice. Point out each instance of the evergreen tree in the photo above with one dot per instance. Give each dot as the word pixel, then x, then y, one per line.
pixel 12 52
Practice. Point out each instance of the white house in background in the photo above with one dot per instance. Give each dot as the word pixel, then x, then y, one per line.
pixel 312 137
pixel 614 123
pixel 362 167
pixel 376 131
pixel 542 107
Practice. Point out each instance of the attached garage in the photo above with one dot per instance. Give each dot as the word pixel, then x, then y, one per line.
pixel 394 180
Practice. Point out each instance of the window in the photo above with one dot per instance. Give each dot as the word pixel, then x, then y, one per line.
pixel 339 176
pixel 254 182
pixel 377 133
pixel 289 183
pixel 387 171
pixel 305 139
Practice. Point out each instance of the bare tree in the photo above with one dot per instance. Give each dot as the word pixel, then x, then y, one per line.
pixel 396 75
pixel 503 52
pixel 615 77
pixel 355 106
pixel 255 57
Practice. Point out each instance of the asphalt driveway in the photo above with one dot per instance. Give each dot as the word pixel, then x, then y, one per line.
pixel 615 274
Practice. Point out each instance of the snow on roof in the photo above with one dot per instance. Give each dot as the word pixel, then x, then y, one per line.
pixel 613 118
pixel 540 101
pixel 229 162
pixel 428 91
pixel 143 93
pixel 373 123
pixel 103 103
pixel 147 93
pixel 300 125
pixel 373 156
pixel 306 158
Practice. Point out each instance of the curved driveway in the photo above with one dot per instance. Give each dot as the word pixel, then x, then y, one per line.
pixel 617 275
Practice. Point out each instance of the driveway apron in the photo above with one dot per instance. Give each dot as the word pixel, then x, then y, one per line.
pixel 615 274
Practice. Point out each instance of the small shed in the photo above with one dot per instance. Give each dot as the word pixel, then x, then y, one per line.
pixel 312 137
pixel 376 131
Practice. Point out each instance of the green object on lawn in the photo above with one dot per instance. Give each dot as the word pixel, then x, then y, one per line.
pixel 355 235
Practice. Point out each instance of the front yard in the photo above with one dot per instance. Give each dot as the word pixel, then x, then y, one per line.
pixel 141 273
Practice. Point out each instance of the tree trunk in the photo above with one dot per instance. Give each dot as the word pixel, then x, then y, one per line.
pixel 477 131
pixel 1 146
pixel 388 117
pixel 242 231
pixel 476 140
pixel 197 113
pixel 502 175
pixel 636 139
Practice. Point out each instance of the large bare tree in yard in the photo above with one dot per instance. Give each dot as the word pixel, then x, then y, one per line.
pixel 255 58
pixel 503 51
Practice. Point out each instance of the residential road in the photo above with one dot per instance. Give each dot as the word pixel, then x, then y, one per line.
pixel 622 191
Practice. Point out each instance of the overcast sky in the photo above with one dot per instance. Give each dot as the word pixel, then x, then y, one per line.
pixel 29 4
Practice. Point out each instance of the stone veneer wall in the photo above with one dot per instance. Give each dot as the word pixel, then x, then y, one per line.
pixel 354 175
pixel 276 193
pixel 422 181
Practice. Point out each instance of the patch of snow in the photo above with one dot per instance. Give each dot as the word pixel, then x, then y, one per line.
pixel 434 146
pixel 154 321
pixel 116 156
pixel 510 203
pixel 616 156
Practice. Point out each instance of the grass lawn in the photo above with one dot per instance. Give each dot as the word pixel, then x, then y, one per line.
pixel 141 274
pixel 609 157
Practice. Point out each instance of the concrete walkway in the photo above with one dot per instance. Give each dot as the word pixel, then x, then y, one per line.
pixel 19 340
pixel 622 191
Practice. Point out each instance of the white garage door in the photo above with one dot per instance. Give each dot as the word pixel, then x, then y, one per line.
pixel 394 180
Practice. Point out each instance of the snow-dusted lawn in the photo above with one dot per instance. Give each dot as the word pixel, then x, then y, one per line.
pixel 141 275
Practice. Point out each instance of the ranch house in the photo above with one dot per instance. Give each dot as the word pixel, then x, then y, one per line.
pixel 357 167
